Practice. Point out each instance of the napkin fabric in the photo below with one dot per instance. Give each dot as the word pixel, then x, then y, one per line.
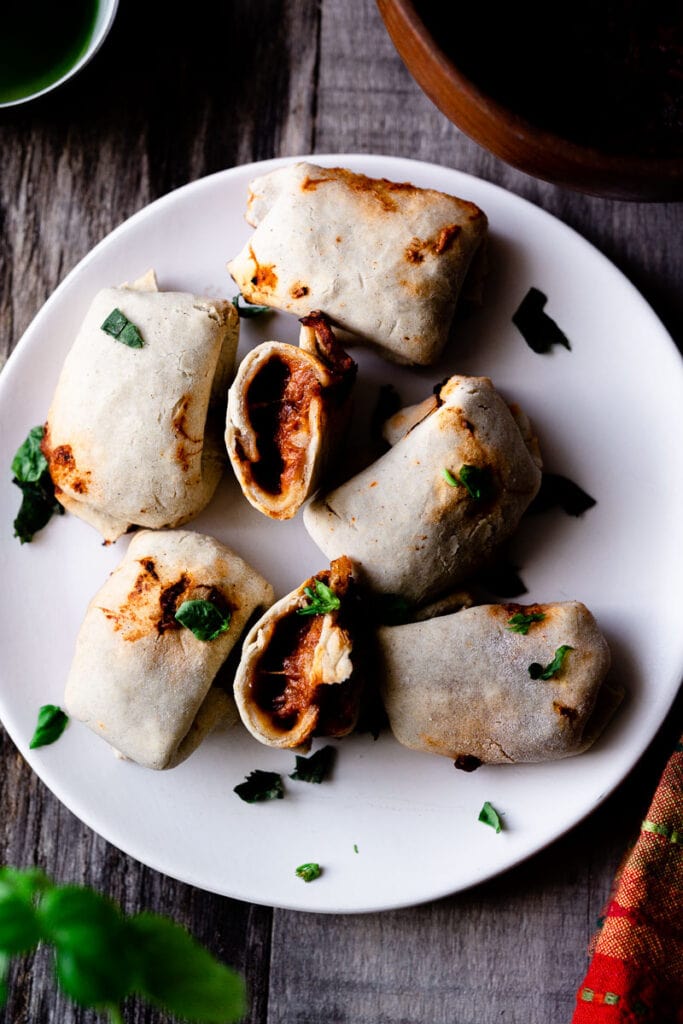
pixel 635 975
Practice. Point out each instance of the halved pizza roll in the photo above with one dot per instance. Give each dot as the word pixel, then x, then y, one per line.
pixel 301 672
pixel 505 683
pixel 154 638
pixel 287 410
pixel 134 432
pixel 428 513
pixel 384 260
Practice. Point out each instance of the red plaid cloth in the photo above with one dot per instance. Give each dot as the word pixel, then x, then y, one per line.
pixel 636 971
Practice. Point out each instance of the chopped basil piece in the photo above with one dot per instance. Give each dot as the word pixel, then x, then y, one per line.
pixel 476 479
pixel 538 329
pixel 490 816
pixel 314 768
pixel 260 785
pixel 203 619
pixel 32 477
pixel 248 310
pixel 322 601
pixel 537 671
pixel 560 491
pixel 520 622
pixel 355 848
pixel 51 724
pixel 309 872
pixel 120 327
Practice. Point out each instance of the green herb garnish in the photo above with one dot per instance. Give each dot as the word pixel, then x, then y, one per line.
pixel 538 329
pixel 476 479
pixel 537 671
pixel 102 956
pixel 355 848
pixel 309 872
pixel 490 816
pixel 51 724
pixel 520 621
pixel 32 477
pixel 314 768
pixel 322 601
pixel 248 309
pixel 203 619
pixel 120 327
pixel 560 491
pixel 259 786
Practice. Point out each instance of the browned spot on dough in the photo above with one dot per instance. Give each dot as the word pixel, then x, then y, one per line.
pixel 298 291
pixel 65 474
pixel 169 600
pixel 149 567
pixel 564 712
pixel 183 450
pixel 418 249
pixel 338 239
pixel 374 483
pixel 264 274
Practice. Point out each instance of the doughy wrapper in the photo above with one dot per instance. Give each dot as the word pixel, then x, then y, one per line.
pixel 386 261
pixel 460 685
pixel 408 531
pixel 310 388
pixel 134 435
pixel 292 685
pixel 138 678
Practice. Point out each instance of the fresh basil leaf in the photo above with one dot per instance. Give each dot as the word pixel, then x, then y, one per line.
pixel 178 974
pixel 322 601
pixel 247 310
pixel 355 848
pixel 520 621
pixel 203 619
pixel 476 480
pixel 29 463
pixel 51 724
pixel 94 961
pixel 24 882
pixel 309 872
pixel 38 505
pixel 538 329
pixel 4 970
pixel 19 926
pixel 118 326
pixel 560 491
pixel 314 768
pixel 260 785
pixel 489 815
pixel 537 671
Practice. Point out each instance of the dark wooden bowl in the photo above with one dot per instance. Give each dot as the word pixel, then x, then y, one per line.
pixel 514 138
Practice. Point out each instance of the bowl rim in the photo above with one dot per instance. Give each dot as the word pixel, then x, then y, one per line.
pixel 556 158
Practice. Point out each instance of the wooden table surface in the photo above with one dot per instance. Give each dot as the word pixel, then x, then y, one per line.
pixel 167 100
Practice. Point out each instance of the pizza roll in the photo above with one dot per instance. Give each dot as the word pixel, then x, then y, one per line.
pixel 301 672
pixel 422 518
pixel 505 683
pixel 134 432
pixel 287 412
pixel 386 261
pixel 153 640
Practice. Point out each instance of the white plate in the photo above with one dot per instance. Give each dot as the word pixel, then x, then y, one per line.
pixel 606 413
